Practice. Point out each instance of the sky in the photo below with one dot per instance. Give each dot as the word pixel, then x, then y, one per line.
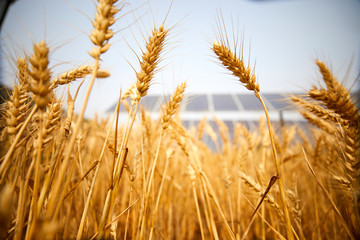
pixel 281 41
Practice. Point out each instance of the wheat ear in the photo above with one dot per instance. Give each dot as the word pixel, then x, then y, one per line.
pixel 173 106
pixel 236 66
pixel 23 72
pixel 340 102
pixel 39 83
pixel 80 72
pixel 16 109
pixel 69 114
pixel 104 18
pixel 52 120
pixel 150 60
pixel 318 110
pixel 326 126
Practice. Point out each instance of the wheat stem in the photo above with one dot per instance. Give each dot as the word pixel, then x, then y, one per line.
pixel 119 167
pixel 280 180
pixel 213 196
pixel 63 169
pixel 97 163
pixel 198 213
pixel 159 195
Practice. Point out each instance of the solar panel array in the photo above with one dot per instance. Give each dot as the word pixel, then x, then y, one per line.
pixel 221 103
pixel 232 109
pixel 198 104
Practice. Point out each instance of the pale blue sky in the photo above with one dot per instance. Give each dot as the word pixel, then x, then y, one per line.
pixel 286 37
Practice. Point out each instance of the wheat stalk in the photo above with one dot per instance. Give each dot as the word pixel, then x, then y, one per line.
pixel 238 69
pixel 100 36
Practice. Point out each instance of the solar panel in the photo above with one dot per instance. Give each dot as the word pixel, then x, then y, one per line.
pixel 231 128
pixel 250 102
pixel 276 125
pixel 112 108
pixel 209 142
pixel 122 107
pixel 278 101
pixel 198 103
pixel 224 102
pixel 247 124
pixel 148 102
pixel 225 106
pixel 214 126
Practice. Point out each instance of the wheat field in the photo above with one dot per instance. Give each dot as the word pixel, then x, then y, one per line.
pixel 66 177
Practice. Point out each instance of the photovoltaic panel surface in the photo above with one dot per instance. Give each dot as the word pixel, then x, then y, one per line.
pixel 149 102
pixel 224 102
pixel 278 101
pixel 250 102
pixel 197 104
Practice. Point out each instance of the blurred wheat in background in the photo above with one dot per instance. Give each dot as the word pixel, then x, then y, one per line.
pixel 64 176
